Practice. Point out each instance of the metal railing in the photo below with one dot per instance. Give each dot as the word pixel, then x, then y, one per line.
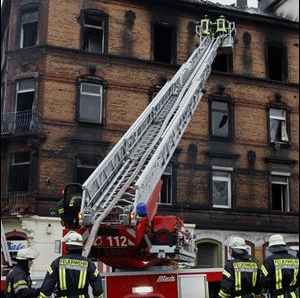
pixel 19 122
pixel 14 203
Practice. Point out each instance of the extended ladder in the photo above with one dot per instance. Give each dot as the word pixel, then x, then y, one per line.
pixel 130 172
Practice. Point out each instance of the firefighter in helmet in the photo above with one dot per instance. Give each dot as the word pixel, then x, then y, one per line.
pixel 280 271
pixel 221 26
pixel 241 273
pixel 18 281
pixel 73 273
pixel 69 207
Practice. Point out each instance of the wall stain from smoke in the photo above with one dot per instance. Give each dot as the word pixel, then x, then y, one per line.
pixel 127 34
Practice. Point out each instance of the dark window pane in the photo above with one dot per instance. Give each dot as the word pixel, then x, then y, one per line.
pixel 207 255
pixel 166 191
pixel 164 43
pixel 83 173
pixel 29 34
pixel 93 40
pixel 22 157
pixel 19 178
pixel 25 101
pixel 220 119
pixel 93 20
pixel 275 63
pixel 220 193
pixel 222 62
pixel 277 197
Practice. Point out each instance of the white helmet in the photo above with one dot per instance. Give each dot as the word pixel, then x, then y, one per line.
pixel 73 238
pixel 276 239
pixel 236 242
pixel 27 254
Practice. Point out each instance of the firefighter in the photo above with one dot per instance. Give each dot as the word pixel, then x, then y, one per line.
pixel 69 207
pixel 241 274
pixel 221 26
pixel 205 26
pixel 18 281
pixel 280 271
pixel 73 273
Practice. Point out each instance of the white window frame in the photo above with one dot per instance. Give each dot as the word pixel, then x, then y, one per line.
pixel 228 170
pixel 287 205
pixel 168 172
pixel 18 91
pixel 100 94
pixel 282 119
pixel 100 28
pixel 22 32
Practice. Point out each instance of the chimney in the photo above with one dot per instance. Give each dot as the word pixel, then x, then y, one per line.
pixel 243 4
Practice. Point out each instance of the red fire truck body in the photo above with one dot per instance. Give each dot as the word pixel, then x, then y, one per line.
pixel 191 283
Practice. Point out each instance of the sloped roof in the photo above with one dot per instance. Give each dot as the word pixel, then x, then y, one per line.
pixel 250 10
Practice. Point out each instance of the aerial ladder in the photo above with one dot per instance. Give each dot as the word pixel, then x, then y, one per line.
pixel 118 209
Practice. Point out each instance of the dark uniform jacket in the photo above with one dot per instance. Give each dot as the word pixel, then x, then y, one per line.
pixel 280 274
pixel 72 274
pixel 240 277
pixel 18 284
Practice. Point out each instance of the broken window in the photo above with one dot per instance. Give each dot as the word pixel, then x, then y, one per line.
pixel 278 126
pixel 280 193
pixel 93 39
pixel 85 166
pixel 221 189
pixel 166 191
pixel 164 43
pixel 220 119
pixel 29 29
pixel 209 254
pixel 19 172
pixel 276 62
pixel 25 94
pixel 90 102
pixel 223 62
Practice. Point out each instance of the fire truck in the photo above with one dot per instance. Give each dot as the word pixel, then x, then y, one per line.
pixel 116 208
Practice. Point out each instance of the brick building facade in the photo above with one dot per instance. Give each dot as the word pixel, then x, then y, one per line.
pixel 76 74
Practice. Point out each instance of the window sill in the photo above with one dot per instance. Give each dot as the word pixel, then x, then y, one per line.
pixel 220 139
pixel 87 123
pixel 281 145
pixel 221 207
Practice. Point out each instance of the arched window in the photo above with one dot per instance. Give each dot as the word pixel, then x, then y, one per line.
pixel 209 254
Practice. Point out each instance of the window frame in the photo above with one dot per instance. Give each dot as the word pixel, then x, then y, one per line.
pixel 171 175
pixel 95 81
pixel 284 61
pixel 78 159
pixel 220 252
pixel 174 50
pixel 27 9
pixel 229 180
pixel 286 205
pixel 287 124
pixel 229 61
pixel 229 102
pixel 105 19
pixel 13 164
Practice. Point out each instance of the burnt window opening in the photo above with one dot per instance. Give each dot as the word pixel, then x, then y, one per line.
pixel 221 118
pixel 90 107
pixel 223 62
pixel 278 126
pixel 276 62
pixel 25 94
pixel 164 43
pixel 93 31
pixel 166 194
pixel 29 29
pixel 85 166
pixel 19 172
pixel 280 195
